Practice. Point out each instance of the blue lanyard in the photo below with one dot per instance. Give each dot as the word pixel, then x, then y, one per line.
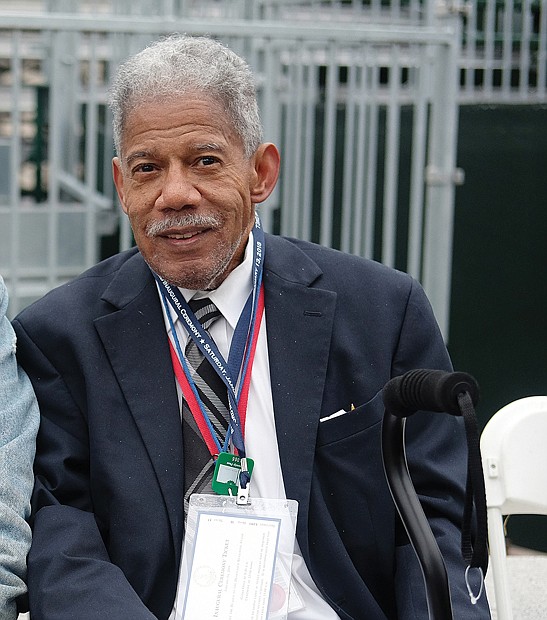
pixel 238 360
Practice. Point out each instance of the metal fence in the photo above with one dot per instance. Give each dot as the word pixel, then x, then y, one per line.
pixel 504 51
pixel 503 42
pixel 362 101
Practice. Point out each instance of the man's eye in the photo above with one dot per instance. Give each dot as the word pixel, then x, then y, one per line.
pixel 144 168
pixel 208 160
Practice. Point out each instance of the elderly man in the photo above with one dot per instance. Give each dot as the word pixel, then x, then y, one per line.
pixel 300 340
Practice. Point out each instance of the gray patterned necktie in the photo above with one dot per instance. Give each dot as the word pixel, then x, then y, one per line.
pixel 198 463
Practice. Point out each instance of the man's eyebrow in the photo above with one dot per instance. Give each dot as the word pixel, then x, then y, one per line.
pixel 200 147
pixel 137 155
pixel 208 146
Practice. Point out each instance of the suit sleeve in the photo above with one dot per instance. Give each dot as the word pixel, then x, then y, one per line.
pixel 437 459
pixel 70 574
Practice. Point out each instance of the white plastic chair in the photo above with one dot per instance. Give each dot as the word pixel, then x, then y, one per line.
pixel 514 454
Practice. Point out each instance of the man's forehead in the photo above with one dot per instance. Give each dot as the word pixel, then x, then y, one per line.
pixel 198 124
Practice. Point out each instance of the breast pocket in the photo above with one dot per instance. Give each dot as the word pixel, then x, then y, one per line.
pixel 348 455
pixel 349 475
pixel 351 423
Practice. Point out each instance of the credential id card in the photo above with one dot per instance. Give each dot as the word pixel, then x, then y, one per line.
pixel 237 559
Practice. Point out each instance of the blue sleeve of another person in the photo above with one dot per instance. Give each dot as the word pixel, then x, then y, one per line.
pixel 19 420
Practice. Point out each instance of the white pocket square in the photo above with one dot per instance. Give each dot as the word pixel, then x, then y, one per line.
pixel 333 415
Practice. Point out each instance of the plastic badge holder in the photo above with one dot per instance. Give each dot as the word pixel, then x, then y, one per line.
pixel 237 559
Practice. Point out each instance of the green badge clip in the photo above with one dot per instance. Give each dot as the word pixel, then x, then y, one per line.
pixel 226 474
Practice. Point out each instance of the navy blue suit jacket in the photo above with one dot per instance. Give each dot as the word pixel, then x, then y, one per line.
pixel 108 515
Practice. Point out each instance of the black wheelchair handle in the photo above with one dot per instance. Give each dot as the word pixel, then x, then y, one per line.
pixel 429 390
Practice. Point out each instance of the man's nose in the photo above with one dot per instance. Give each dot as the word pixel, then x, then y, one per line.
pixel 178 191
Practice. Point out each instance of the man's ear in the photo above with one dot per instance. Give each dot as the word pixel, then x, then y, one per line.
pixel 117 175
pixel 266 167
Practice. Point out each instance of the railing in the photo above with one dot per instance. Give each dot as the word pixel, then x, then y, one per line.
pixel 361 96
pixel 504 52
pixel 504 42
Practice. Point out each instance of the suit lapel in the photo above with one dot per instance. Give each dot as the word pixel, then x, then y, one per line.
pixel 299 323
pixel 136 343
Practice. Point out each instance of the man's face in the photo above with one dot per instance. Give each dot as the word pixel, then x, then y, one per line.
pixel 187 187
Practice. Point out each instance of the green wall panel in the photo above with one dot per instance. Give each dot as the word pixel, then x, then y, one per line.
pixel 498 329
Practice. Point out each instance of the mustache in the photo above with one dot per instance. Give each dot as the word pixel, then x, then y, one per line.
pixel 180 220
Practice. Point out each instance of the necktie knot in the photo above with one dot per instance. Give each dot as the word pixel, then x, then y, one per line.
pixel 204 310
pixel 206 313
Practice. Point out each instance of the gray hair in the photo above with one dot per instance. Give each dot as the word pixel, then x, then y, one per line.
pixel 178 65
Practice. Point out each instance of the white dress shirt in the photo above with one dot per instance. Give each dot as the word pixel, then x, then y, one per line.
pixel 260 435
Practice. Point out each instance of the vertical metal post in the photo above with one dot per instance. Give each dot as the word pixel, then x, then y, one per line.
pixel 350 149
pixel 309 144
pixel 440 179
pixel 489 31
pixel 15 162
pixel 391 184
pixel 269 72
pixel 358 224
pixel 507 55
pixel 524 64
pixel 91 154
pixel 419 138
pixel 542 50
pixel 372 81
pixel 57 86
pixel 329 146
